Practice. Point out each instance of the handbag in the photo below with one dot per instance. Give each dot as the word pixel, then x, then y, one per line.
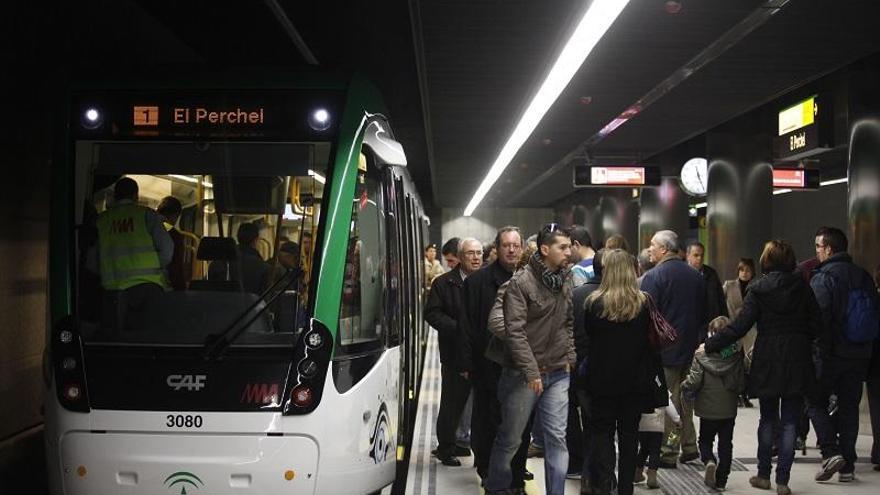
pixel 661 334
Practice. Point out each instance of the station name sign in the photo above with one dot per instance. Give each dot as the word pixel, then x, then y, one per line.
pixel 801 130
pixel 616 176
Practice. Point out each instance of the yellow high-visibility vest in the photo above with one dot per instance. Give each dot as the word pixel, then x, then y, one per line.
pixel 128 254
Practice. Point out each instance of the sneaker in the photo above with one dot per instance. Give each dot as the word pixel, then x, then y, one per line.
pixel 688 457
pixel 640 475
pixel 846 477
pixel 783 490
pixel 573 475
pixel 830 466
pixel 651 479
pixel 709 476
pixel 759 482
pixel 720 486
pixel 535 451
pixel 528 476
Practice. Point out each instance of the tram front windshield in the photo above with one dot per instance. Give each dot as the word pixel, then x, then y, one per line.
pixel 241 220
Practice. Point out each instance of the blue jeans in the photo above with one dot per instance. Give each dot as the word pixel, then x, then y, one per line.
pixel 517 402
pixel 790 409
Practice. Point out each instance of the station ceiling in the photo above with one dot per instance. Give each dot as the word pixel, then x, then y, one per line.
pixel 457 74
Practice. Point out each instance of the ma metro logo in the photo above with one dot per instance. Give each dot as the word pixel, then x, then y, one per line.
pixel 192 383
pixel 183 478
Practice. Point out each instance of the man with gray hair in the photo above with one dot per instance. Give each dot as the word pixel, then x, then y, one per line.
pixel 442 312
pixel 680 294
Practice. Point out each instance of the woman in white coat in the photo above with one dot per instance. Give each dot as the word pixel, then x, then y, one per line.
pixel 734 293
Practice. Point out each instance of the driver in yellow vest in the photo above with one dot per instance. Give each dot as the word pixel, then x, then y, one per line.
pixel 133 250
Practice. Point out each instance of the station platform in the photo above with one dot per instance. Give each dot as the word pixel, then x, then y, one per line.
pixel 426 476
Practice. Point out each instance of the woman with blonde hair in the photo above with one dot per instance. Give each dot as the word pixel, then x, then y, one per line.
pixel 619 370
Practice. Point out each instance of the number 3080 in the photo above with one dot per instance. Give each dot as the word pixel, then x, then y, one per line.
pixel 181 421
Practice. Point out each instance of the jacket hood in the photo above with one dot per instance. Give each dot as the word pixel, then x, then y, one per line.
pixel 781 290
pixel 835 258
pixel 717 365
pixel 728 369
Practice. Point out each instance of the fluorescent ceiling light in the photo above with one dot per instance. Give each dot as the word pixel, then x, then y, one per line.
pixel 701 205
pixel 318 177
pixel 833 181
pixel 191 180
pixel 598 18
pixel 777 192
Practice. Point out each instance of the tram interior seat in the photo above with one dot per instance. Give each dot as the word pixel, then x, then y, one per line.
pixel 221 252
pixel 184 315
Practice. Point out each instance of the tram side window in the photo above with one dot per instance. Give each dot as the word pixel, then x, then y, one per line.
pixel 361 318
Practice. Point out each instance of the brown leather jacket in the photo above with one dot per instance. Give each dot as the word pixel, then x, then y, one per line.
pixel 535 325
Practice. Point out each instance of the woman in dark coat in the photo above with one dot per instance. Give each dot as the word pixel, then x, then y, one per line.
pixel 782 372
pixel 620 367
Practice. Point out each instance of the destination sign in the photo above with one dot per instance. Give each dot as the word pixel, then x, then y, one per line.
pixel 188 115
pixel 611 176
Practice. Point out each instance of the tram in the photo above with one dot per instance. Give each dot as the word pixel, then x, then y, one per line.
pixel 288 363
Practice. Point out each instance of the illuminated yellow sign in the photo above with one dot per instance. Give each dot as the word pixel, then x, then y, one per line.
pixel 798 116
pixel 146 116
pixel 201 116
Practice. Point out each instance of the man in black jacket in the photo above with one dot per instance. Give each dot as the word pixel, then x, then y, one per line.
pixel 716 305
pixel 479 292
pixel 845 353
pixel 442 312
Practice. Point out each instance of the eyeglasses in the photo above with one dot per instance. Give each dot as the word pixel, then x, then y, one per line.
pixel 473 254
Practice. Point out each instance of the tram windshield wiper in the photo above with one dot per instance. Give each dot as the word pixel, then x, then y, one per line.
pixel 216 344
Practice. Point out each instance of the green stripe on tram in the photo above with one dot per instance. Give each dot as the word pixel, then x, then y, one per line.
pixel 361 99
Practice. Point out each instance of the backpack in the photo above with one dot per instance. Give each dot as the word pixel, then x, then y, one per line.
pixel 862 323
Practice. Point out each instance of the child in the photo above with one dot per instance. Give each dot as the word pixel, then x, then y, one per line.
pixel 651 429
pixel 716 380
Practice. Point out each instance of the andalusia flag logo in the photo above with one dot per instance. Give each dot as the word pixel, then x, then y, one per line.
pixel 183 479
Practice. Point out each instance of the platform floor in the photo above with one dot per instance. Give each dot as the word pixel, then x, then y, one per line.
pixel 427 476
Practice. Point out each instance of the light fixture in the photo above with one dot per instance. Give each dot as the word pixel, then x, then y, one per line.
pixel 191 180
pixel 834 181
pixel 701 205
pixel 319 119
pixel 592 27
pixel 318 177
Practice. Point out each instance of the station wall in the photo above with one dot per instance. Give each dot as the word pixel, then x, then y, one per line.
pixel 486 221
pixel 797 216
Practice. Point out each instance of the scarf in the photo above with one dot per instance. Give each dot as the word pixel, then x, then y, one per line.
pixel 552 280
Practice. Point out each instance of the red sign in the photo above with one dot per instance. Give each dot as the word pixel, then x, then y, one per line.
pixel 617 176
pixel 260 393
pixel 789 178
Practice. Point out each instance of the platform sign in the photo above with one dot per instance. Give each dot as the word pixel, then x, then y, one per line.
pixel 804 129
pixel 616 176
pixel 795 178
pixel 798 116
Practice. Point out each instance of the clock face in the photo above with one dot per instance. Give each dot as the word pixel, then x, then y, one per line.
pixel 694 176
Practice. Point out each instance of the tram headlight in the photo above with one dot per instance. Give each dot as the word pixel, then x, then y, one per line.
pixel 92 118
pixel 72 392
pixel 68 364
pixel 65 336
pixel 302 396
pixel 320 120
pixel 314 340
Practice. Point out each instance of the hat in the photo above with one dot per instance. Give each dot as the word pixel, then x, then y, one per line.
pixel 431 246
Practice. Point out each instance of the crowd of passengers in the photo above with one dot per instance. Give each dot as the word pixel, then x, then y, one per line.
pixel 550 349
pixel 136 253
